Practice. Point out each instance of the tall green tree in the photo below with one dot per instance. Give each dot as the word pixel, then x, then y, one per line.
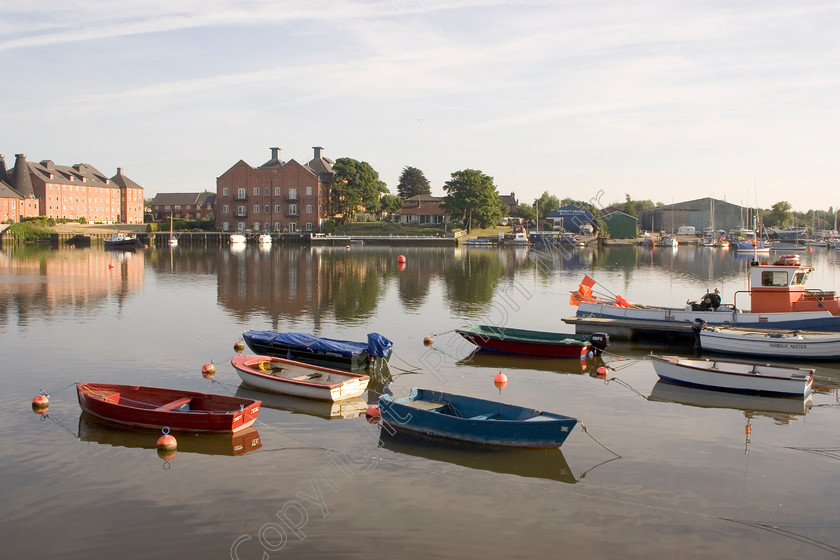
pixel 472 199
pixel 780 213
pixel 546 203
pixel 412 182
pixel 356 186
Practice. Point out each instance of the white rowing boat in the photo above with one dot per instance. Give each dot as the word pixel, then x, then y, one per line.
pixel 287 377
pixel 735 376
pixel 783 344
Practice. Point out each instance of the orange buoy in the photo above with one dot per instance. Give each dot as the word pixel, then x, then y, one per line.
pixel 373 411
pixel 41 403
pixel 167 442
pixel 428 341
pixel 239 346
pixel 747 429
pixel 601 371
pixel 401 259
pixel 500 381
pixel 166 454
pixel 208 371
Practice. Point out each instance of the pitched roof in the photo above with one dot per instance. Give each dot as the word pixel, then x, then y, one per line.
pixel 181 199
pixel 6 191
pixel 122 181
pixel 422 204
pixel 81 173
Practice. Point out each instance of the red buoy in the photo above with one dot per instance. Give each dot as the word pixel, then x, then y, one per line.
pixel 167 442
pixel 500 381
pixel 239 346
pixel 208 371
pixel 401 259
pixel 428 341
pixel 41 403
pixel 601 371
pixel 110 265
pixel 373 411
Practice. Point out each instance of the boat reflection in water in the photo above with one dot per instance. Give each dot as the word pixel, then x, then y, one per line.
pixel 495 360
pixel 531 463
pixel 782 410
pixel 338 410
pixel 240 443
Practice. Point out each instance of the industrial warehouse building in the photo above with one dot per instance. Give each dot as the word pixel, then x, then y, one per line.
pixel 701 213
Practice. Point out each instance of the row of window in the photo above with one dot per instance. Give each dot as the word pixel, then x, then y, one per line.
pixel 241 226
pixel 240 193
pixel 240 210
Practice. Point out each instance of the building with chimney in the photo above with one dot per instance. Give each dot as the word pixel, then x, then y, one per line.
pixel 16 204
pixel 277 195
pixel 74 192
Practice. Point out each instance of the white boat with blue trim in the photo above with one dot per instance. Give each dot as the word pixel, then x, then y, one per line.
pixel 739 377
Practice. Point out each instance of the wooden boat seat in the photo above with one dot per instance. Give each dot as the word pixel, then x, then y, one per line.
pixel 174 404
pixel 307 377
pixel 426 405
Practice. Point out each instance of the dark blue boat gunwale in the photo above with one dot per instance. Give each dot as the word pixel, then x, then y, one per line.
pixel 475 420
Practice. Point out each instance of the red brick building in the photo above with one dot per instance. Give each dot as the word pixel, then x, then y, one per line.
pixel 183 205
pixel 78 191
pixel 279 196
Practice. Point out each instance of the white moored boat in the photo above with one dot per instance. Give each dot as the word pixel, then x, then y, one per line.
pixel 735 376
pixel 777 299
pixel 287 377
pixel 783 344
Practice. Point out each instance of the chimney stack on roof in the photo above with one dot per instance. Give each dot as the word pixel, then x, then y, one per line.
pixel 21 181
pixel 275 154
pixel 317 151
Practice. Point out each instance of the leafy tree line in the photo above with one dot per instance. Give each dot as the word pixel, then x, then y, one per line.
pixel 472 199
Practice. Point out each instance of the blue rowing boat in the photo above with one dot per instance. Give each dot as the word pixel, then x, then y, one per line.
pixel 462 418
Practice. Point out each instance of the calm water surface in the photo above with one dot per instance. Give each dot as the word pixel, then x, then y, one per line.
pixel 659 471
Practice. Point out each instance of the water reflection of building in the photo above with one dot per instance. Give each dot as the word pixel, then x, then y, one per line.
pixel 37 280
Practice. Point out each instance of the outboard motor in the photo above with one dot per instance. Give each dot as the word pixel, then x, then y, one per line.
pixel 697 326
pixel 599 342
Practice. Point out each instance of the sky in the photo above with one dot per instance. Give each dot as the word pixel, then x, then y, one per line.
pixel 662 100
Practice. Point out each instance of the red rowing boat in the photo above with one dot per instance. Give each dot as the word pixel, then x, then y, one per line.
pixel 153 407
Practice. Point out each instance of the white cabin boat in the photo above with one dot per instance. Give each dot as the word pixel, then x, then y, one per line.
pixel 238 238
pixel 777 299
pixel 735 376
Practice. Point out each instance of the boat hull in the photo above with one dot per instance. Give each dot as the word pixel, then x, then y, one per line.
pixel 531 343
pixel 783 345
pixel 734 376
pixel 472 420
pixel 288 377
pixel 146 407
pixel 659 319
